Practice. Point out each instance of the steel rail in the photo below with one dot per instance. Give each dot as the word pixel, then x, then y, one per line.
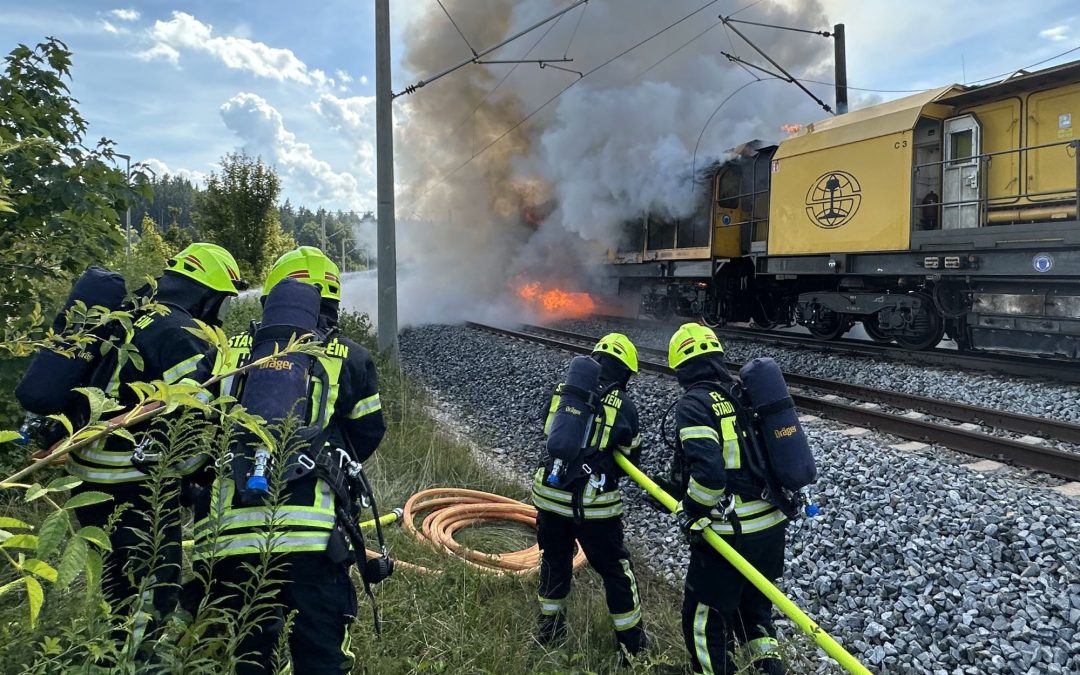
pixel 1056 370
pixel 1048 460
pixel 1066 432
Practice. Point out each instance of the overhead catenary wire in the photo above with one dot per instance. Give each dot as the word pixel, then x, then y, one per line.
pixel 559 93
pixel 677 50
pixel 573 33
pixel 693 165
pixel 822 33
pixel 791 78
pixel 476 55
pixel 460 32
pixel 505 77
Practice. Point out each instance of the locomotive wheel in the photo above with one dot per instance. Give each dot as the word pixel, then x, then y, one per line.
pixel 761 315
pixel 712 316
pixel 830 325
pixel 873 329
pixel 928 328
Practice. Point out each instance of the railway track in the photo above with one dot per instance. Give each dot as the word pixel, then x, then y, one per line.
pixel 1049 369
pixel 1049 460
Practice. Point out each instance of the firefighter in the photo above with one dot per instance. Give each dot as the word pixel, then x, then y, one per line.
pixel 195 285
pixel 309 546
pixel 720 607
pixel 589 508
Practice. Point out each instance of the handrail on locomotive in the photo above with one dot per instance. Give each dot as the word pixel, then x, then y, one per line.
pixel 986 201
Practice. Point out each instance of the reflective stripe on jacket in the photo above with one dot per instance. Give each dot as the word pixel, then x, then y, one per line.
pixel 302 524
pixel 595 503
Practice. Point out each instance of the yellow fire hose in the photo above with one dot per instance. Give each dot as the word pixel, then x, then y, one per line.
pixel 767 588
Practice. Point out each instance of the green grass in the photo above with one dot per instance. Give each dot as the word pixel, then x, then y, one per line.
pixel 466 621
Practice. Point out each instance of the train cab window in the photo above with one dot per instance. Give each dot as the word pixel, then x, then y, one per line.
pixel 960 144
pixel 728 189
pixel 661 233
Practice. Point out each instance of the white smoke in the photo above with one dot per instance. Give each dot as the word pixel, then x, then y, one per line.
pixel 618 143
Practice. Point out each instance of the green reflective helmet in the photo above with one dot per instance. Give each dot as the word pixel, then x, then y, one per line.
pixel 619 346
pixel 692 339
pixel 309 265
pixel 210 265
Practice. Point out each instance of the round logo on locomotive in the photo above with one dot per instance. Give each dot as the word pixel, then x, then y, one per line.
pixel 833 199
pixel 1042 262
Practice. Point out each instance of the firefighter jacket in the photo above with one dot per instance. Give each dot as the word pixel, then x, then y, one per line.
pixel 168 352
pixel 597 493
pixel 710 445
pixel 307 518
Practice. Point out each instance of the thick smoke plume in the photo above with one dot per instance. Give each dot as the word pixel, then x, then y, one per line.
pixel 546 200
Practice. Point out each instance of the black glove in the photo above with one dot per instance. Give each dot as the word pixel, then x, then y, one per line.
pixel 692 524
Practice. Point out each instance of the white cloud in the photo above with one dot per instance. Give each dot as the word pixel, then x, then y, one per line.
pixel 262 129
pixel 1056 33
pixel 342 76
pixel 363 79
pixel 125 14
pixel 160 51
pixel 354 119
pixel 161 169
pixel 109 28
pixel 186 33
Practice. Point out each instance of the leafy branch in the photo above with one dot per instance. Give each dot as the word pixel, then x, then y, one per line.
pixel 27 552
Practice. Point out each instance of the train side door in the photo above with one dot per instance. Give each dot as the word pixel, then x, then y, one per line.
pixel 961 182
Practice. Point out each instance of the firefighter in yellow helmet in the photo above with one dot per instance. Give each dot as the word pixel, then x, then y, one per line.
pixel 583 502
pixel 196 284
pixel 310 541
pixel 720 608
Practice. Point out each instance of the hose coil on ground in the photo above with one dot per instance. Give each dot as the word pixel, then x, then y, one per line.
pixel 451 509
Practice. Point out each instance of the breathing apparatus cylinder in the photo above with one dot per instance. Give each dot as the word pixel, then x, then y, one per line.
pixel 572 423
pixel 46 387
pixel 279 387
pixel 791 461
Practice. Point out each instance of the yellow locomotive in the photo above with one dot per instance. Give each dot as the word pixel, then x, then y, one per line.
pixel 950 211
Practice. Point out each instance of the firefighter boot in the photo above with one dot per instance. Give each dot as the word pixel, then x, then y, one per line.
pixel 770 665
pixel 551 628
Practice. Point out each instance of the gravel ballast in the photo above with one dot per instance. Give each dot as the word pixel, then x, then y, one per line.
pixel 916 564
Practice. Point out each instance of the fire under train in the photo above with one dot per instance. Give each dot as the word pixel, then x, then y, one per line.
pixel 950 212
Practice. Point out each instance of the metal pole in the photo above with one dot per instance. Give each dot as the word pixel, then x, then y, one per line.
pixel 841 69
pixel 343 255
pixel 384 157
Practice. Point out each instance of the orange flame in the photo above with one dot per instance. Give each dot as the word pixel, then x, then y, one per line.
pixel 555 303
pixel 791 129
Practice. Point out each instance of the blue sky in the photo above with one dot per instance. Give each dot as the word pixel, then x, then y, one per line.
pixel 179 83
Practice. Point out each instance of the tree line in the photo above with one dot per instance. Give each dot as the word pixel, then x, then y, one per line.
pixel 238 208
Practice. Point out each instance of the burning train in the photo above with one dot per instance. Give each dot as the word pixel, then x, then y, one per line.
pixel 949 212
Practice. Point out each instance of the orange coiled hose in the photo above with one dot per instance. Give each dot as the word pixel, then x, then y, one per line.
pixel 451 509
